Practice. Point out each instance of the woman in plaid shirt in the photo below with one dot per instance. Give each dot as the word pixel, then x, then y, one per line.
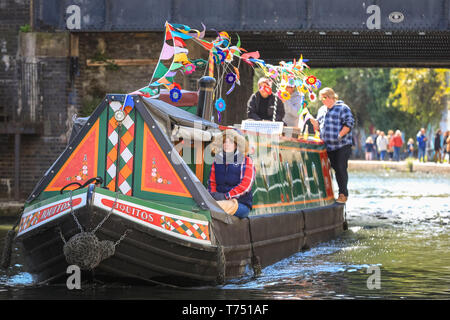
pixel 335 121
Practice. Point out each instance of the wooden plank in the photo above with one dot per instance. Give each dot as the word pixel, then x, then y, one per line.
pixel 74 45
pixel 121 62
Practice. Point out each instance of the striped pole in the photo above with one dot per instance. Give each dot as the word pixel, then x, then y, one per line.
pixel 211 64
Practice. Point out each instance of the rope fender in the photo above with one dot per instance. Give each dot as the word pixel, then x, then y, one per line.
pixel 84 249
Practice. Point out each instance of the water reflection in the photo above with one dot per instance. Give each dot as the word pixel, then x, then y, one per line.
pixel 399 222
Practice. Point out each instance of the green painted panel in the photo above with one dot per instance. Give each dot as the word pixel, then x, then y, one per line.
pixel 288 175
pixel 192 109
pixel 137 175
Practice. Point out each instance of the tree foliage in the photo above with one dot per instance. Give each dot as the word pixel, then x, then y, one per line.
pixel 420 92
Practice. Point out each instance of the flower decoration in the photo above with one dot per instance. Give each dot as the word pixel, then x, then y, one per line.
pixel 200 63
pixel 312 96
pixel 220 105
pixel 230 77
pixel 189 68
pixel 311 80
pixel 273 73
pixel 285 95
pixel 175 94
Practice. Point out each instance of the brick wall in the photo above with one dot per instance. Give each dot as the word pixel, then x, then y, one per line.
pixel 13 14
pixel 68 86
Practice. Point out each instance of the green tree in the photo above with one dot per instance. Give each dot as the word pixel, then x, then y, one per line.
pixel 420 93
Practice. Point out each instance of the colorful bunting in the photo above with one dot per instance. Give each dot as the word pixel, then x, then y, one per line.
pixel 222 55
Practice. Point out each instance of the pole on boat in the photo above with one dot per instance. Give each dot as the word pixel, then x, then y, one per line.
pixel 205 98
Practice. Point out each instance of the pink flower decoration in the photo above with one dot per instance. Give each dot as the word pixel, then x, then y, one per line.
pixel 189 68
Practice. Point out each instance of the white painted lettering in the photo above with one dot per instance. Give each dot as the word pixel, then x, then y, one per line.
pixel 73 22
pixel 374 281
pixel 74 280
pixel 373 21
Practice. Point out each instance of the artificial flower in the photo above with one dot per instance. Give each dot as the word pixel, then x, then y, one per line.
pixel 220 105
pixel 175 94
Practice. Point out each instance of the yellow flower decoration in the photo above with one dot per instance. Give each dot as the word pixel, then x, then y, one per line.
pixel 285 95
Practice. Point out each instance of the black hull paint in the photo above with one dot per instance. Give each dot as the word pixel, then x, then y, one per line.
pixel 149 255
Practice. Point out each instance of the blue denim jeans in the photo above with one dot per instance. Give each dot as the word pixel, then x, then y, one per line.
pixel 422 154
pixel 242 211
pixel 383 155
pixel 397 153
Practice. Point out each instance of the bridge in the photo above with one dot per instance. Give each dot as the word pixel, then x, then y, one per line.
pixel 45 74
pixel 344 33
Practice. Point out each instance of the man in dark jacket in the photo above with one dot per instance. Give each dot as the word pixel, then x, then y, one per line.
pixel 263 104
pixel 437 146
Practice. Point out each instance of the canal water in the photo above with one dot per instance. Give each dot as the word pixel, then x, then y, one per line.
pixel 397 247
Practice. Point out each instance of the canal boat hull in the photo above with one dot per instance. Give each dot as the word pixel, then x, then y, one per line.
pixel 146 253
pixel 152 207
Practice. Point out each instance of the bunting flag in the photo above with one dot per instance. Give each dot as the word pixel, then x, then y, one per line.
pixel 174 59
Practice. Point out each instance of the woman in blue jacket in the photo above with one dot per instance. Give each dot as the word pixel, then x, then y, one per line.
pixel 232 174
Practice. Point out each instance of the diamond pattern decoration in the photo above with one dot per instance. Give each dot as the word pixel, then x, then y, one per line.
pixel 186 228
pixel 125 160
pixel 126 156
pixel 111 151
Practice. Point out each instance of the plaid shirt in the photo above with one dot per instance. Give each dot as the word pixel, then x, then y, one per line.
pixel 331 122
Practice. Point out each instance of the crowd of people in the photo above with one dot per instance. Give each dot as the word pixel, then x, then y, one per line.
pixel 392 146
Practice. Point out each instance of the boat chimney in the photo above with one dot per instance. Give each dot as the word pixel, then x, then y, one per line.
pixel 205 97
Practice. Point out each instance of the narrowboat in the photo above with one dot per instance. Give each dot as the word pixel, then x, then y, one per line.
pixel 145 211
pixel 128 196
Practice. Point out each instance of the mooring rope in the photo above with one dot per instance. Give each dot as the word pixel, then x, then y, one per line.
pixel 221 259
pixel 7 248
pixel 256 263
pixel 345 224
pixel 73 214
